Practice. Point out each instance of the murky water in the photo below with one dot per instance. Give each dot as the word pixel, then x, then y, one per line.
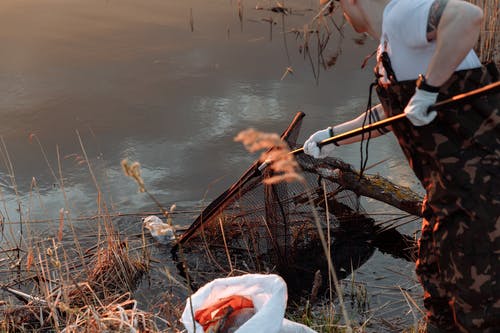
pixel 104 80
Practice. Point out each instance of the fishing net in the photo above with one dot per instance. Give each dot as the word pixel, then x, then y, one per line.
pixel 256 227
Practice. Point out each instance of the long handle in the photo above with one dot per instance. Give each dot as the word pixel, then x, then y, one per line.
pixel 490 88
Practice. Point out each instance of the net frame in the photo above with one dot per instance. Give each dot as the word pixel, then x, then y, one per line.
pixel 257 227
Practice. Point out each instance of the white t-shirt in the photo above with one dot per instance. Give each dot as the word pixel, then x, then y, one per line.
pixel 404 38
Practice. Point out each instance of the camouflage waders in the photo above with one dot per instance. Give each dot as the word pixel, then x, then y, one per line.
pixel 457 160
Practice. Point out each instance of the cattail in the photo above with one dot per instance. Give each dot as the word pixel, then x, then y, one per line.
pixel 134 171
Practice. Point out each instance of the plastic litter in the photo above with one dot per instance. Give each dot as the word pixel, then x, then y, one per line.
pixel 162 232
pixel 267 293
pixel 225 314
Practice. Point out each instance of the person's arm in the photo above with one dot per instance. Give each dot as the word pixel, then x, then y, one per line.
pixel 369 117
pixel 455 25
pixel 375 114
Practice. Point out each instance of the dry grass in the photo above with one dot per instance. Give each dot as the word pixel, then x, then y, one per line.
pixel 73 281
pixel 488 47
pixel 64 291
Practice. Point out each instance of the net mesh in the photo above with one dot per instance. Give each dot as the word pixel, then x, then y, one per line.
pixel 254 227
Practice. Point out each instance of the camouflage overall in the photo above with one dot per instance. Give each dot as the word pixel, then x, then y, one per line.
pixel 457 160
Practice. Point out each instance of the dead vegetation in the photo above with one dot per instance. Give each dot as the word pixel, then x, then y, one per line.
pixel 488 46
pixel 58 286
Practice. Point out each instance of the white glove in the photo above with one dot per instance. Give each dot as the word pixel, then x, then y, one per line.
pixel 311 145
pixel 416 110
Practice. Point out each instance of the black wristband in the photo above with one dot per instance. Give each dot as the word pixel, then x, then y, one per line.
pixel 332 134
pixel 423 85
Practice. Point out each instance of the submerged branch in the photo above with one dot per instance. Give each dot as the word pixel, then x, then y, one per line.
pixel 372 186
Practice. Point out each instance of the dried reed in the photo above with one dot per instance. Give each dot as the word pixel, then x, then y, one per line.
pixel 488 46
pixel 67 295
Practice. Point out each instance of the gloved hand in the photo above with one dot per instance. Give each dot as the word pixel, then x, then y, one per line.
pixel 416 110
pixel 311 145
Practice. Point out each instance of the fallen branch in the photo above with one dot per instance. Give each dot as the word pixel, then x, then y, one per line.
pixel 372 186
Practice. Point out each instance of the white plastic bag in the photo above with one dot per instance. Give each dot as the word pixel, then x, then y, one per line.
pixel 268 294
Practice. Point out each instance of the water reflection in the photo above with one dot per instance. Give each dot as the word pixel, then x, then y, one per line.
pixel 249 104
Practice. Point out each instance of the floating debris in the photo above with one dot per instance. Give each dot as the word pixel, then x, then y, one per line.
pixel 162 232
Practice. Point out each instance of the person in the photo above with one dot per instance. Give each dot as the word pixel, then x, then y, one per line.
pixel 425 55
